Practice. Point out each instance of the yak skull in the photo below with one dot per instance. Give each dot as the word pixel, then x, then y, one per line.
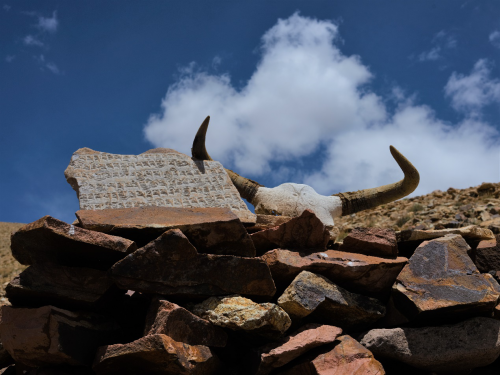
pixel 291 199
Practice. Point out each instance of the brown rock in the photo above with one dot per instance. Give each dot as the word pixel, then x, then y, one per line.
pixel 306 338
pixel 379 242
pixel 486 188
pixel 449 349
pixel 66 287
pixel 303 232
pixel 356 272
pixel 316 297
pixel 441 281
pixel 267 222
pixel 169 319
pixel 5 357
pixel 52 240
pixel 210 230
pixel 49 335
pixel 155 354
pixel 348 357
pixel 487 255
pixel 471 232
pixel 170 265
pixel 242 314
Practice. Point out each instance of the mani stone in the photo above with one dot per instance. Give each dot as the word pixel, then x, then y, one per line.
pixel 171 265
pixel 160 177
pixel 450 349
pixel 210 230
pixel 440 281
pixel 49 335
pixel 320 300
pixel 155 355
pixel 52 240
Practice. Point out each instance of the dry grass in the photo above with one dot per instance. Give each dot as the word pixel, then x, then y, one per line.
pixel 9 267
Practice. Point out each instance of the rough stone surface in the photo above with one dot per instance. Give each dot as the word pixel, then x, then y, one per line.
pixel 356 272
pixel 379 242
pixel 52 240
pixel 241 314
pixel 264 222
pixel 170 265
pixel 316 297
pixel 210 230
pixel 441 281
pixel 5 357
pixel 50 336
pixel 303 232
pixel 66 287
pixel 169 319
pixel 471 232
pixel 155 355
pixel 487 255
pixel 450 349
pixel 306 338
pixel 348 357
pixel 160 177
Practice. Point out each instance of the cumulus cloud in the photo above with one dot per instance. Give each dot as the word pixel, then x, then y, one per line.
pixel 30 40
pixel 441 41
pixel 470 93
pixel 308 100
pixel 48 24
pixel 495 38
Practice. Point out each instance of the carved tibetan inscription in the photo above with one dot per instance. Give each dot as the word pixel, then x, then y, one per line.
pixel 159 177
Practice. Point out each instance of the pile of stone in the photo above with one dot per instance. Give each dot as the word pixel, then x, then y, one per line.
pixel 157 290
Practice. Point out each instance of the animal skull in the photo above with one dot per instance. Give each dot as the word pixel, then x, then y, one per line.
pixel 291 199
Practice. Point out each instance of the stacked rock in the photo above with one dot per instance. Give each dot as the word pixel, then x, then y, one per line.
pixel 156 290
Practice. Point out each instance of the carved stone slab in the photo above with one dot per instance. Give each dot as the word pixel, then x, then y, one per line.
pixel 160 177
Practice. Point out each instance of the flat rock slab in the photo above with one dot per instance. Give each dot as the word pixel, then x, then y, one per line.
pixel 348 357
pixel 169 319
pixel 156 355
pixel 487 255
pixel 450 349
pixel 355 272
pixel 303 232
pixel 170 265
pixel 52 240
pixel 441 281
pixel 161 177
pixel 308 337
pixel 242 314
pixel 264 222
pixel 471 232
pixel 210 230
pixel 52 336
pixel 319 299
pixel 379 242
pixel 66 287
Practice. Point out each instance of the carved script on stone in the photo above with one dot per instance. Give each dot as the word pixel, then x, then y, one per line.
pixel 159 177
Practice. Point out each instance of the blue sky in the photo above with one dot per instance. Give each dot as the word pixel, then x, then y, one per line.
pixel 298 91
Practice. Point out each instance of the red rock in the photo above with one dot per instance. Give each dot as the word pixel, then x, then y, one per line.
pixel 355 272
pixel 320 300
pixel 310 336
pixel 52 240
pixel 170 265
pixel 379 242
pixel 303 232
pixel 348 357
pixel 210 230
pixel 52 336
pixel 155 354
pixel 267 222
pixel 441 281
pixel 65 287
pixel 487 255
pixel 169 319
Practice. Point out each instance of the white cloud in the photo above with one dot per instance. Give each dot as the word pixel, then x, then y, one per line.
pixel 305 93
pixel 30 40
pixel 495 38
pixel 6 7
pixel 9 58
pixel 470 93
pixel 44 64
pixel 442 41
pixel 48 24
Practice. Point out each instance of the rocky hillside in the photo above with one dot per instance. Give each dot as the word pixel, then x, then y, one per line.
pixel 453 208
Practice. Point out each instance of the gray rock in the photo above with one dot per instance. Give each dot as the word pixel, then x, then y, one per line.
pixel 450 349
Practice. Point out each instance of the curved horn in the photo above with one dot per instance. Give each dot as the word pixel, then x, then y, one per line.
pixel 246 187
pixel 364 199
